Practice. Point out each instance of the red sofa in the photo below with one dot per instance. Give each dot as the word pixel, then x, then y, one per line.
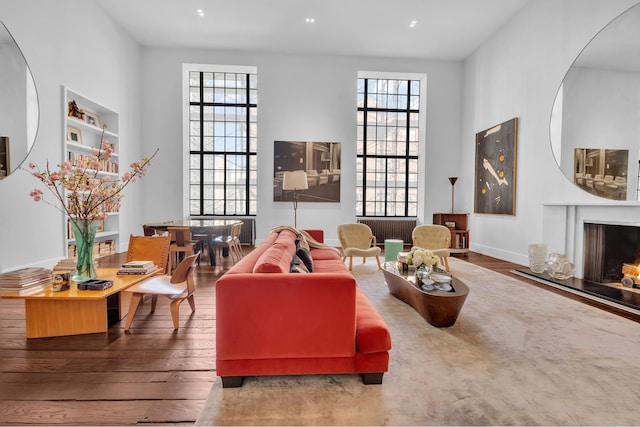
pixel 270 321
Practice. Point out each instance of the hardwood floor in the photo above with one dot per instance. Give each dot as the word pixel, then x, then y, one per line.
pixel 151 375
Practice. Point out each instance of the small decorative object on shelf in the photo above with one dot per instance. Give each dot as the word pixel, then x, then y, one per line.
pixel 559 267
pixel 537 257
pixel 74 111
pixel 84 195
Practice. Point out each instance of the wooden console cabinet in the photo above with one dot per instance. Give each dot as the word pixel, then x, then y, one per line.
pixel 459 233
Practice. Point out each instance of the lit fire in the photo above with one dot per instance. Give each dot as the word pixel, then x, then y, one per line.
pixel 631 273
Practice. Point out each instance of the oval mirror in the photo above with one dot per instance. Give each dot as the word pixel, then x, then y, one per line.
pixel 19 113
pixel 595 120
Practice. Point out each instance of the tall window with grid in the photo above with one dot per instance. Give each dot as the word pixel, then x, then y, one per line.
pixel 222 142
pixel 388 145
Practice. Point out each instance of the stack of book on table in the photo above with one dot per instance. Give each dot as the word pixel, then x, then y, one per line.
pixel 137 267
pixel 68 264
pixel 25 280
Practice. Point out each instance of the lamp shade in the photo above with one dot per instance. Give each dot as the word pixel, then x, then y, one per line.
pixel 295 180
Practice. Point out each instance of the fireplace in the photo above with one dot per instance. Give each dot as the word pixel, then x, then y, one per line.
pixel 607 248
pixel 611 252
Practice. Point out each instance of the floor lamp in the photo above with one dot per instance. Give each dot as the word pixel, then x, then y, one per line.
pixel 452 180
pixel 295 180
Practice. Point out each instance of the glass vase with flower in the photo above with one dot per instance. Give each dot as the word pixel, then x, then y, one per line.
pixel 86 195
pixel 424 260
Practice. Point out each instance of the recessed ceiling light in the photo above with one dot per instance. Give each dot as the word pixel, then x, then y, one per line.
pixel 413 23
pixel 310 20
pixel 200 12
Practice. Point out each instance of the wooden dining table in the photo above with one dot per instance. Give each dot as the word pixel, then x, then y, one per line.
pixel 209 227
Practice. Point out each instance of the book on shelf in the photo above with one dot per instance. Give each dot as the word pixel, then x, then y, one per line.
pixel 129 270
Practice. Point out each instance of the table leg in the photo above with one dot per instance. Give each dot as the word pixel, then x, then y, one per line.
pixel 212 252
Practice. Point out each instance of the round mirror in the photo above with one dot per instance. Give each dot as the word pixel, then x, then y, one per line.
pixel 595 121
pixel 19 113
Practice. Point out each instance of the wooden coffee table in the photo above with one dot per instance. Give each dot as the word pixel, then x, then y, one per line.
pixel 73 312
pixel 438 308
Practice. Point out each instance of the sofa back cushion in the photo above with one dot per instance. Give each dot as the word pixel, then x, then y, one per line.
pixel 277 258
pixel 248 262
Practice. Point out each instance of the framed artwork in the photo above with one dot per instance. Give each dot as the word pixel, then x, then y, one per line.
pixel 320 161
pixel 495 169
pixel 5 158
pixel 74 135
pixel 91 118
pixel 602 171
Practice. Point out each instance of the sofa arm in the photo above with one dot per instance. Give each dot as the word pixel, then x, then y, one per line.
pixel 275 315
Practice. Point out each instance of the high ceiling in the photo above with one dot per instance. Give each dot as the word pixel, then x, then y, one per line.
pixel 444 29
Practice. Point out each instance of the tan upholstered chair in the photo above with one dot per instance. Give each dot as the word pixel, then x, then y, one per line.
pixel 435 238
pixel 177 287
pixel 358 240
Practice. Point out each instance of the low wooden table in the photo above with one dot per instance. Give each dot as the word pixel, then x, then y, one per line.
pixel 438 308
pixel 74 312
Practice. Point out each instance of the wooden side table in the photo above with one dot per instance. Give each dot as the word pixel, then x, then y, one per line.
pixel 438 308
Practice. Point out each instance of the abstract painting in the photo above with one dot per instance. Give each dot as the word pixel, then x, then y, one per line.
pixel 495 175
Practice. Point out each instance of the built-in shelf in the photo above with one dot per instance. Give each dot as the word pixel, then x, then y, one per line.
pixel 82 138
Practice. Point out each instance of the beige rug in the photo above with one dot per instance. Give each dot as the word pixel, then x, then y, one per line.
pixel 518 355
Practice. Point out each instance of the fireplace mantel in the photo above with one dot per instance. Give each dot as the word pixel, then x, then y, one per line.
pixel 563 224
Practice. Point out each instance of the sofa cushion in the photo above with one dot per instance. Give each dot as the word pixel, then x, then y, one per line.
pixel 372 334
pixel 324 253
pixel 305 256
pixel 329 266
pixel 276 259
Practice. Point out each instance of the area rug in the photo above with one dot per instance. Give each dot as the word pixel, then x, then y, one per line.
pixel 518 355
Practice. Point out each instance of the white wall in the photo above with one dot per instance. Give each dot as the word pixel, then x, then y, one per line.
pixel 517 74
pixel 72 43
pixel 300 98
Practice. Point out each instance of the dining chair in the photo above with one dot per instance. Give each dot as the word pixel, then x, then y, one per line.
pixel 231 242
pixel 181 245
pixel 178 287
pixel 358 240
pixel 434 237
pixel 149 248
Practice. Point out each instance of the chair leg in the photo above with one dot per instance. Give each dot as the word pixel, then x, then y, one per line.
pixel 350 263
pixel 175 310
pixel 192 302
pixel 154 301
pixel 133 307
pixel 446 263
pixel 378 261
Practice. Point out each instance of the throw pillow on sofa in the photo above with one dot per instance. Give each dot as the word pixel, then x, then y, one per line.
pixel 305 256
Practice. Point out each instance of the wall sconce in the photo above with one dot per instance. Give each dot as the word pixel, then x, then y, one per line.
pixel 295 180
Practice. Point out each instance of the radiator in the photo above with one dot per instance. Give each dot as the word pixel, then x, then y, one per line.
pixel 248 232
pixel 391 228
